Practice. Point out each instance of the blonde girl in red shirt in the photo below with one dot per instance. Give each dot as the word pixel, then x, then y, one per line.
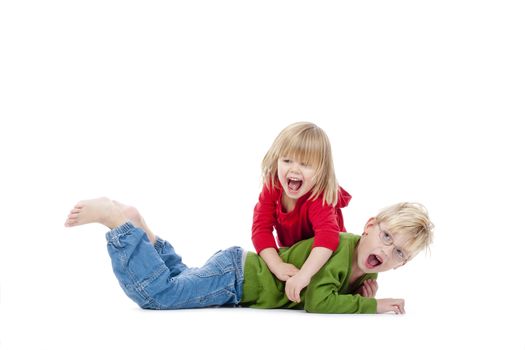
pixel 300 199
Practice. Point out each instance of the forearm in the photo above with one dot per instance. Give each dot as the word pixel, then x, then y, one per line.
pixel 271 258
pixel 317 258
pixel 329 301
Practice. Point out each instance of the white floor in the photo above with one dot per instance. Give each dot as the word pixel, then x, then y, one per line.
pixel 76 326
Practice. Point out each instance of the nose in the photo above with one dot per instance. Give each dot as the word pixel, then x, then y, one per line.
pixel 294 167
pixel 387 252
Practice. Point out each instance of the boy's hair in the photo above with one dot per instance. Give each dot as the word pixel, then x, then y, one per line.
pixel 410 220
pixel 307 143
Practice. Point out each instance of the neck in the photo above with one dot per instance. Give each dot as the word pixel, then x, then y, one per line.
pixel 288 203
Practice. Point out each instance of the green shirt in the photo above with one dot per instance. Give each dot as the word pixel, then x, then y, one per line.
pixel 329 290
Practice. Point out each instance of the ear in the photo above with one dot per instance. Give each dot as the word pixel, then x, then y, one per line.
pixel 369 224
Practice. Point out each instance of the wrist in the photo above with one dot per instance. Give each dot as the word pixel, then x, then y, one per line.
pixel 274 266
pixel 304 275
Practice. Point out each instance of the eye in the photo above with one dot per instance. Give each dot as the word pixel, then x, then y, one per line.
pixel 387 237
pixel 399 254
pixel 306 165
pixel 285 160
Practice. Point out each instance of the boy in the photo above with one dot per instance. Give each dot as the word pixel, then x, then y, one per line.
pixel 154 276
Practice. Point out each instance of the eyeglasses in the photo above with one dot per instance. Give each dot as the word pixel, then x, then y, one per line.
pixel 388 240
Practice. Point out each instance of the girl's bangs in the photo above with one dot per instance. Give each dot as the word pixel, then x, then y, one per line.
pixel 305 151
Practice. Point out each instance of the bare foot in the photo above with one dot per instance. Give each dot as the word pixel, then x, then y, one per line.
pixel 102 210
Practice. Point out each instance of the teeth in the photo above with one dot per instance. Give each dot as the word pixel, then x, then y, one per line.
pixel 294 179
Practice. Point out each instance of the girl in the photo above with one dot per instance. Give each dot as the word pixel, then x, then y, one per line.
pixel 300 199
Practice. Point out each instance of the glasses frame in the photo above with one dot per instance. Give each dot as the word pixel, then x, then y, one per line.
pixel 390 242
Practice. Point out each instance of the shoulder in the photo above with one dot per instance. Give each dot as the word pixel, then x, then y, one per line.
pixel 347 241
pixel 318 209
pixel 343 198
pixel 317 202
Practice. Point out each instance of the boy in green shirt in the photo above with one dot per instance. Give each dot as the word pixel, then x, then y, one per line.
pixel 154 276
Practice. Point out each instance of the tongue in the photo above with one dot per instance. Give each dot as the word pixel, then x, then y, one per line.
pixel 372 260
pixel 294 185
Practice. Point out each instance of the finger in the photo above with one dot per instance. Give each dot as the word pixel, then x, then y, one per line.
pixel 297 295
pixel 373 288
pixel 292 297
pixel 364 291
pixel 288 294
pixel 368 290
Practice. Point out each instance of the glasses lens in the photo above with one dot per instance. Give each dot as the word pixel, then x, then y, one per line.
pixel 399 254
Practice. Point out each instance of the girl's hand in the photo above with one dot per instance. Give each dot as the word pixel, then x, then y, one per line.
pixel 284 271
pixel 391 305
pixel 294 286
pixel 368 289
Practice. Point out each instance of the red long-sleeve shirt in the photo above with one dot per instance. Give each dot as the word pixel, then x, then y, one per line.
pixel 310 218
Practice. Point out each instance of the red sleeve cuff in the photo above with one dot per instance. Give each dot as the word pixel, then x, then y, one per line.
pixel 329 241
pixel 261 245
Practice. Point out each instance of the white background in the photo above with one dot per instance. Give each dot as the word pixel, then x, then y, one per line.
pixel 170 106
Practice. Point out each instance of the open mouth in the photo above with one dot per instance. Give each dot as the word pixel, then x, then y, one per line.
pixel 294 184
pixel 373 261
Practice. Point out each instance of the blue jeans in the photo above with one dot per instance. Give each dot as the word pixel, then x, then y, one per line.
pixel 155 277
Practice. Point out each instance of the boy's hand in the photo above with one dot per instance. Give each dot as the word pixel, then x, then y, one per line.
pixel 368 289
pixel 283 271
pixel 391 305
pixel 295 285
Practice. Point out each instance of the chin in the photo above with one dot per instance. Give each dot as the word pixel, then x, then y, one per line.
pixel 293 195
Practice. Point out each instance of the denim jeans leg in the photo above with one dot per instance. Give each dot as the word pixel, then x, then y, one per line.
pixel 156 278
pixel 172 260
pixel 136 264
pixel 218 282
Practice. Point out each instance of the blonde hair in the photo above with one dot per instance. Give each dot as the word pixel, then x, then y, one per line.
pixel 410 220
pixel 309 144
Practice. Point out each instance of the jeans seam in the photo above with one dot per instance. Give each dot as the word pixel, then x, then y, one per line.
pixel 139 287
pixel 230 289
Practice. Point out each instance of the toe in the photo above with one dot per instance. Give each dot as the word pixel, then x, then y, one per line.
pixel 70 223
